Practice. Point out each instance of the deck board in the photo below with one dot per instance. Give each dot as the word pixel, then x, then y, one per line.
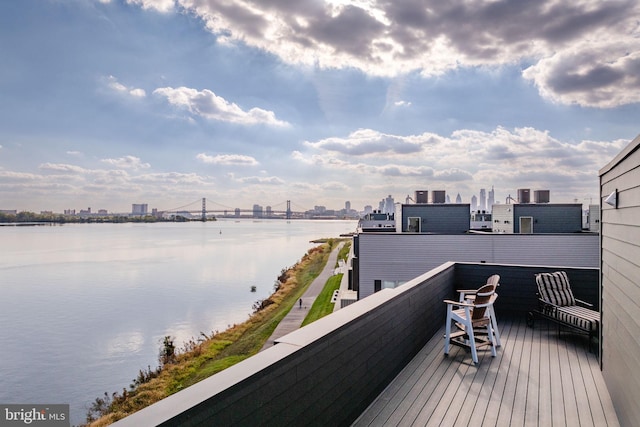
pixel 537 378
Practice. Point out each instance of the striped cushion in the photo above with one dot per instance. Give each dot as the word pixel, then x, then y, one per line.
pixel 581 317
pixel 554 288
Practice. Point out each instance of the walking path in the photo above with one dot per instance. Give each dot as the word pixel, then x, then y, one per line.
pixel 298 312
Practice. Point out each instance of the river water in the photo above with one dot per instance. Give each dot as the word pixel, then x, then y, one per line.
pixel 84 307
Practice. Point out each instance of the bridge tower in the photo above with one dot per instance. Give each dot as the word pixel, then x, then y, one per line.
pixel 288 209
pixel 204 209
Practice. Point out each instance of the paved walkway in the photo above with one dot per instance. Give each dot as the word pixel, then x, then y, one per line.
pixel 296 315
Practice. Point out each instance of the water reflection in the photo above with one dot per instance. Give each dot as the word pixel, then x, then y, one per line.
pixel 84 307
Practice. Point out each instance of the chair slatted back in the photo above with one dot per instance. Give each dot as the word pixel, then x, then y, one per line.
pixel 483 297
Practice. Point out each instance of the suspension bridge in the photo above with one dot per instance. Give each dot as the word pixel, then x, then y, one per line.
pixel 200 208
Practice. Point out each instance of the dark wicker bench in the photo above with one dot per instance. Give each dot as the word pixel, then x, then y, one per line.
pixel 557 303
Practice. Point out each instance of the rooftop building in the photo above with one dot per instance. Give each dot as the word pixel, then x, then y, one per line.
pixel 379 361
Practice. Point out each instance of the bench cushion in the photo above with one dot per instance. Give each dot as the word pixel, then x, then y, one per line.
pixel 581 317
pixel 554 288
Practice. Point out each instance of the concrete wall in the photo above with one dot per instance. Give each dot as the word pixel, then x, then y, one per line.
pixel 502 219
pixel 620 231
pixel 401 257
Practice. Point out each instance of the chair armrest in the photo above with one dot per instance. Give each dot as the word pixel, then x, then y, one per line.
pixel 584 303
pixel 458 303
pixel 467 291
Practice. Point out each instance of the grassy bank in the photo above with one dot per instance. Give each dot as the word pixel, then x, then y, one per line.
pixel 203 357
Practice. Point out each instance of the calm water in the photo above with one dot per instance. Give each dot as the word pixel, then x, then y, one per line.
pixel 84 307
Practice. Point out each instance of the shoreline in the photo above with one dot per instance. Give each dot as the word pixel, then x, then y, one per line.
pixel 199 359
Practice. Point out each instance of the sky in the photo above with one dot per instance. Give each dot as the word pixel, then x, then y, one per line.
pixel 107 103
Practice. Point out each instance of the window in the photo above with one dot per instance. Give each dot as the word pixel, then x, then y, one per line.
pixel 390 284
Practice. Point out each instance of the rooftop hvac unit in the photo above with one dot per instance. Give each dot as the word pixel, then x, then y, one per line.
pixel 524 195
pixel 541 196
pixel 422 196
pixel 439 196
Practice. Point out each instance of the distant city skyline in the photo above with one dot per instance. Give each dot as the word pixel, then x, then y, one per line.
pixel 384 205
pixel 106 103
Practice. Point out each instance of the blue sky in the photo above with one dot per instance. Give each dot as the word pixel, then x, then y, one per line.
pixel 108 103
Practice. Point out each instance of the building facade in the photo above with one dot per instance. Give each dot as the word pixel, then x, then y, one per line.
pixel 620 279
pixel 388 260
pixel 433 218
pixel 532 218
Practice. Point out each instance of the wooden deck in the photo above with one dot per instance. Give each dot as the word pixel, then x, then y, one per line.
pixel 537 379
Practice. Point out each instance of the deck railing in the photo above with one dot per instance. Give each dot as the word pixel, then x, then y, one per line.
pixel 328 372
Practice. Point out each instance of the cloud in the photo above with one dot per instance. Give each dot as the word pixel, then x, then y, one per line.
pixel 227 159
pixel 157 5
pixel 368 142
pixel 207 104
pixel 598 75
pixel 511 159
pixel 127 162
pixel 268 180
pixel 562 41
pixel 115 85
pixel 61 167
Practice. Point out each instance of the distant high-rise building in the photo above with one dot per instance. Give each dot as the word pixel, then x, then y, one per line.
pixel 474 203
pixel 388 205
pixel 458 198
pixel 139 209
pixel 368 209
pixel 482 200
pixel 347 206
pixel 492 199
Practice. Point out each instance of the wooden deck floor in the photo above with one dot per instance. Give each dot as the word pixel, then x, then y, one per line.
pixel 537 379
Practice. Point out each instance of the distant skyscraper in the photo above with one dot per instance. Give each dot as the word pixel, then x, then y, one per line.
pixel 139 209
pixel 458 198
pixel 388 205
pixel 492 200
pixel 347 206
pixel 483 200
pixel 368 209
pixel 474 203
